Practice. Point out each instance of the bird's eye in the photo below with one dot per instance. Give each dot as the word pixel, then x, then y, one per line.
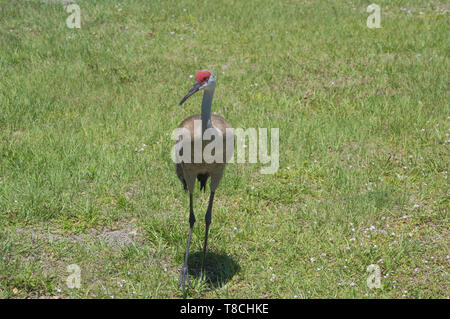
pixel 205 79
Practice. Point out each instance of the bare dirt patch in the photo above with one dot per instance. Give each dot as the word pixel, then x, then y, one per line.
pixel 119 237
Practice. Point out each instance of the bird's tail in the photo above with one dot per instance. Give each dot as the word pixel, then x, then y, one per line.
pixel 202 178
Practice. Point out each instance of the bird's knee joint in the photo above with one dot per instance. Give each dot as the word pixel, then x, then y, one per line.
pixel 191 221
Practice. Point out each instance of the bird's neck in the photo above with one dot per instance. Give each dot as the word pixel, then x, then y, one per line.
pixel 206 109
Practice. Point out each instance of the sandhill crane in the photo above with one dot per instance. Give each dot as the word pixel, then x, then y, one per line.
pixel 188 172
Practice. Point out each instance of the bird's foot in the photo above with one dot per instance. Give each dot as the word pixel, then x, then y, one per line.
pixel 183 278
pixel 203 273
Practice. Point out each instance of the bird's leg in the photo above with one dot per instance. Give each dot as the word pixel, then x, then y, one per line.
pixel 184 271
pixel 207 223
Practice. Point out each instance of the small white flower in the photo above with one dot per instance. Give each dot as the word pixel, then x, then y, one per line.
pixel 353 239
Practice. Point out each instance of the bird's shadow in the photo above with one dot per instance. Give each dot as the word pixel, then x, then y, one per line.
pixel 219 268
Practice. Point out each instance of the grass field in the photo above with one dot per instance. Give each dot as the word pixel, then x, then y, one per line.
pixel 364 123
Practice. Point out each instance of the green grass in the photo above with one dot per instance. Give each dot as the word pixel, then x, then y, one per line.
pixel 364 148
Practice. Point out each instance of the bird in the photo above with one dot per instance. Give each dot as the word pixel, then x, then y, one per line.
pixel 188 171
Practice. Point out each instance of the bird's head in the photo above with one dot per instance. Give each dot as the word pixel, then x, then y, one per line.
pixel 204 80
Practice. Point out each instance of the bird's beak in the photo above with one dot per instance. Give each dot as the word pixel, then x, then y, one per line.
pixel 193 89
